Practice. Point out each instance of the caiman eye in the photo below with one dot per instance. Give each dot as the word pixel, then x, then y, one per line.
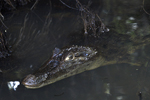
pixel 70 56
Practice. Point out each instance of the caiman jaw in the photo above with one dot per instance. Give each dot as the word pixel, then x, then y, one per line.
pixel 64 63
pixel 29 81
pixel 32 81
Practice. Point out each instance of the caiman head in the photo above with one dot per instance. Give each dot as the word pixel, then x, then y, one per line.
pixel 63 63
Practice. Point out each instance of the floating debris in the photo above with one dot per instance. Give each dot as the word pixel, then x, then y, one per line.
pixel 107 88
pixel 13 85
pixel 119 98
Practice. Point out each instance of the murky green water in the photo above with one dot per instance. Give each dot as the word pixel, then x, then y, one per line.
pixel 34 34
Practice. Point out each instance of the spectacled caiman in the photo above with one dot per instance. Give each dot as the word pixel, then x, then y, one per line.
pixel 106 50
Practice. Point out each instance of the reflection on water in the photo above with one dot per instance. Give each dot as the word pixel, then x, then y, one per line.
pixel 34 34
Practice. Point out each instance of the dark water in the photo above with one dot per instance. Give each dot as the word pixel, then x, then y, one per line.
pixel 34 34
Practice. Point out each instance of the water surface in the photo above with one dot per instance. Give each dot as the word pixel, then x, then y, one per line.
pixel 33 35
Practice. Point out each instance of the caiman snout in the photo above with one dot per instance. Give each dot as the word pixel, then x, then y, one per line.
pixel 62 64
pixel 29 81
